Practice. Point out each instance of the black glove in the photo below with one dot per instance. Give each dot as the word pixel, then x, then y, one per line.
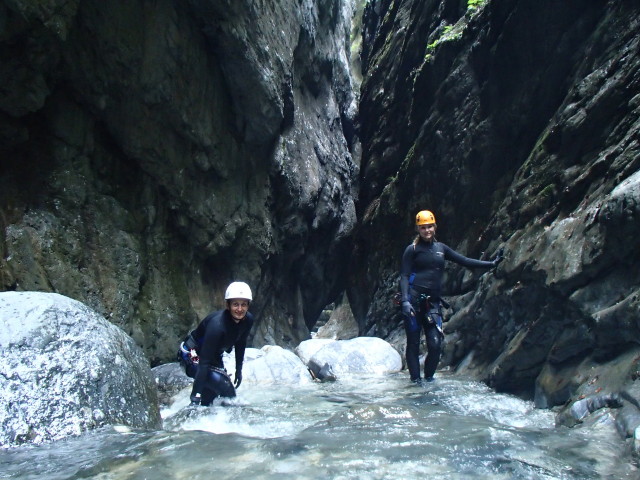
pixel 195 400
pixel 498 258
pixel 407 309
pixel 238 378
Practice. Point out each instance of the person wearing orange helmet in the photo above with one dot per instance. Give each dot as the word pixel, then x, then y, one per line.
pixel 220 331
pixel 421 274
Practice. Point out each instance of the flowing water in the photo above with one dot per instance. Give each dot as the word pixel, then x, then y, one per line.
pixel 360 428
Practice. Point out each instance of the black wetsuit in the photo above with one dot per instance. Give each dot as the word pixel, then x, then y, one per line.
pixel 425 262
pixel 218 333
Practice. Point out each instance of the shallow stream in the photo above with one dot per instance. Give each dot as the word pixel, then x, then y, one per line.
pixel 361 428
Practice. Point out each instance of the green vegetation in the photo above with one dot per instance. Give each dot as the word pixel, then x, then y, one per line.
pixel 407 162
pixel 475 4
pixel 547 191
pixel 449 33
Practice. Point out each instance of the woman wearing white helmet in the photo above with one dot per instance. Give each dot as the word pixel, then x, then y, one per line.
pixel 218 332
pixel 420 285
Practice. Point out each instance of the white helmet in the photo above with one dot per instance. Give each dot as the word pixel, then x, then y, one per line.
pixel 238 290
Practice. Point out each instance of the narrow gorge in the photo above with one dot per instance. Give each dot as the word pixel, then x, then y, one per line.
pixel 153 151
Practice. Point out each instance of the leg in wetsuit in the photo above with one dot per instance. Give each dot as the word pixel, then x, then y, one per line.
pixel 218 385
pixel 413 329
pixel 430 319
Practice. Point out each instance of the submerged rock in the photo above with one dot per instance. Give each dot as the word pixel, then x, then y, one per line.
pixel 66 370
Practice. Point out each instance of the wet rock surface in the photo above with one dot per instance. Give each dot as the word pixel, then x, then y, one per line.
pixel 518 128
pixel 66 370
pixel 153 152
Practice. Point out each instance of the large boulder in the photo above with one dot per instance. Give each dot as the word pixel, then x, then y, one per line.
pixel 270 365
pixel 308 348
pixel 66 370
pixel 362 355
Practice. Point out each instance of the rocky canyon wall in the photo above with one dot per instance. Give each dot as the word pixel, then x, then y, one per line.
pixel 153 151
pixel 517 123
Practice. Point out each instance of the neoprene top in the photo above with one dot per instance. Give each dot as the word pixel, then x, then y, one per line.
pixel 426 261
pixel 220 333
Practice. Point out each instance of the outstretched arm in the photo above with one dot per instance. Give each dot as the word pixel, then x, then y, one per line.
pixel 460 259
pixel 240 346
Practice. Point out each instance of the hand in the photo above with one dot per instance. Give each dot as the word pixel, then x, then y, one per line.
pixel 498 258
pixel 238 379
pixel 407 309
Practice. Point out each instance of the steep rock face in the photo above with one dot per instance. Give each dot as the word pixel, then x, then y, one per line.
pixel 152 152
pixel 517 124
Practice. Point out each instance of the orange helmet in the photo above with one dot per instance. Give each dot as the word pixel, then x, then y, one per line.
pixel 425 217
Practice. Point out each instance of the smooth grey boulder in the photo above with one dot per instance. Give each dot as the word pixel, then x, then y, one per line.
pixel 66 370
pixel 270 365
pixel 362 355
pixel 308 348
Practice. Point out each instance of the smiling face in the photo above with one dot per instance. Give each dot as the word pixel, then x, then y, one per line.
pixel 427 232
pixel 238 308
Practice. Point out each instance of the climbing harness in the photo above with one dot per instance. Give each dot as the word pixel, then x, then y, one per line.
pixel 397 297
pixel 188 355
pixel 431 310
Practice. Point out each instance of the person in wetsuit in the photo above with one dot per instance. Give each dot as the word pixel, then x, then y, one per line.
pixel 420 285
pixel 218 332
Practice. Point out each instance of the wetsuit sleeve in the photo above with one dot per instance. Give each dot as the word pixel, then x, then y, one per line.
pixel 241 344
pixel 460 259
pixel 405 272
pixel 210 354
